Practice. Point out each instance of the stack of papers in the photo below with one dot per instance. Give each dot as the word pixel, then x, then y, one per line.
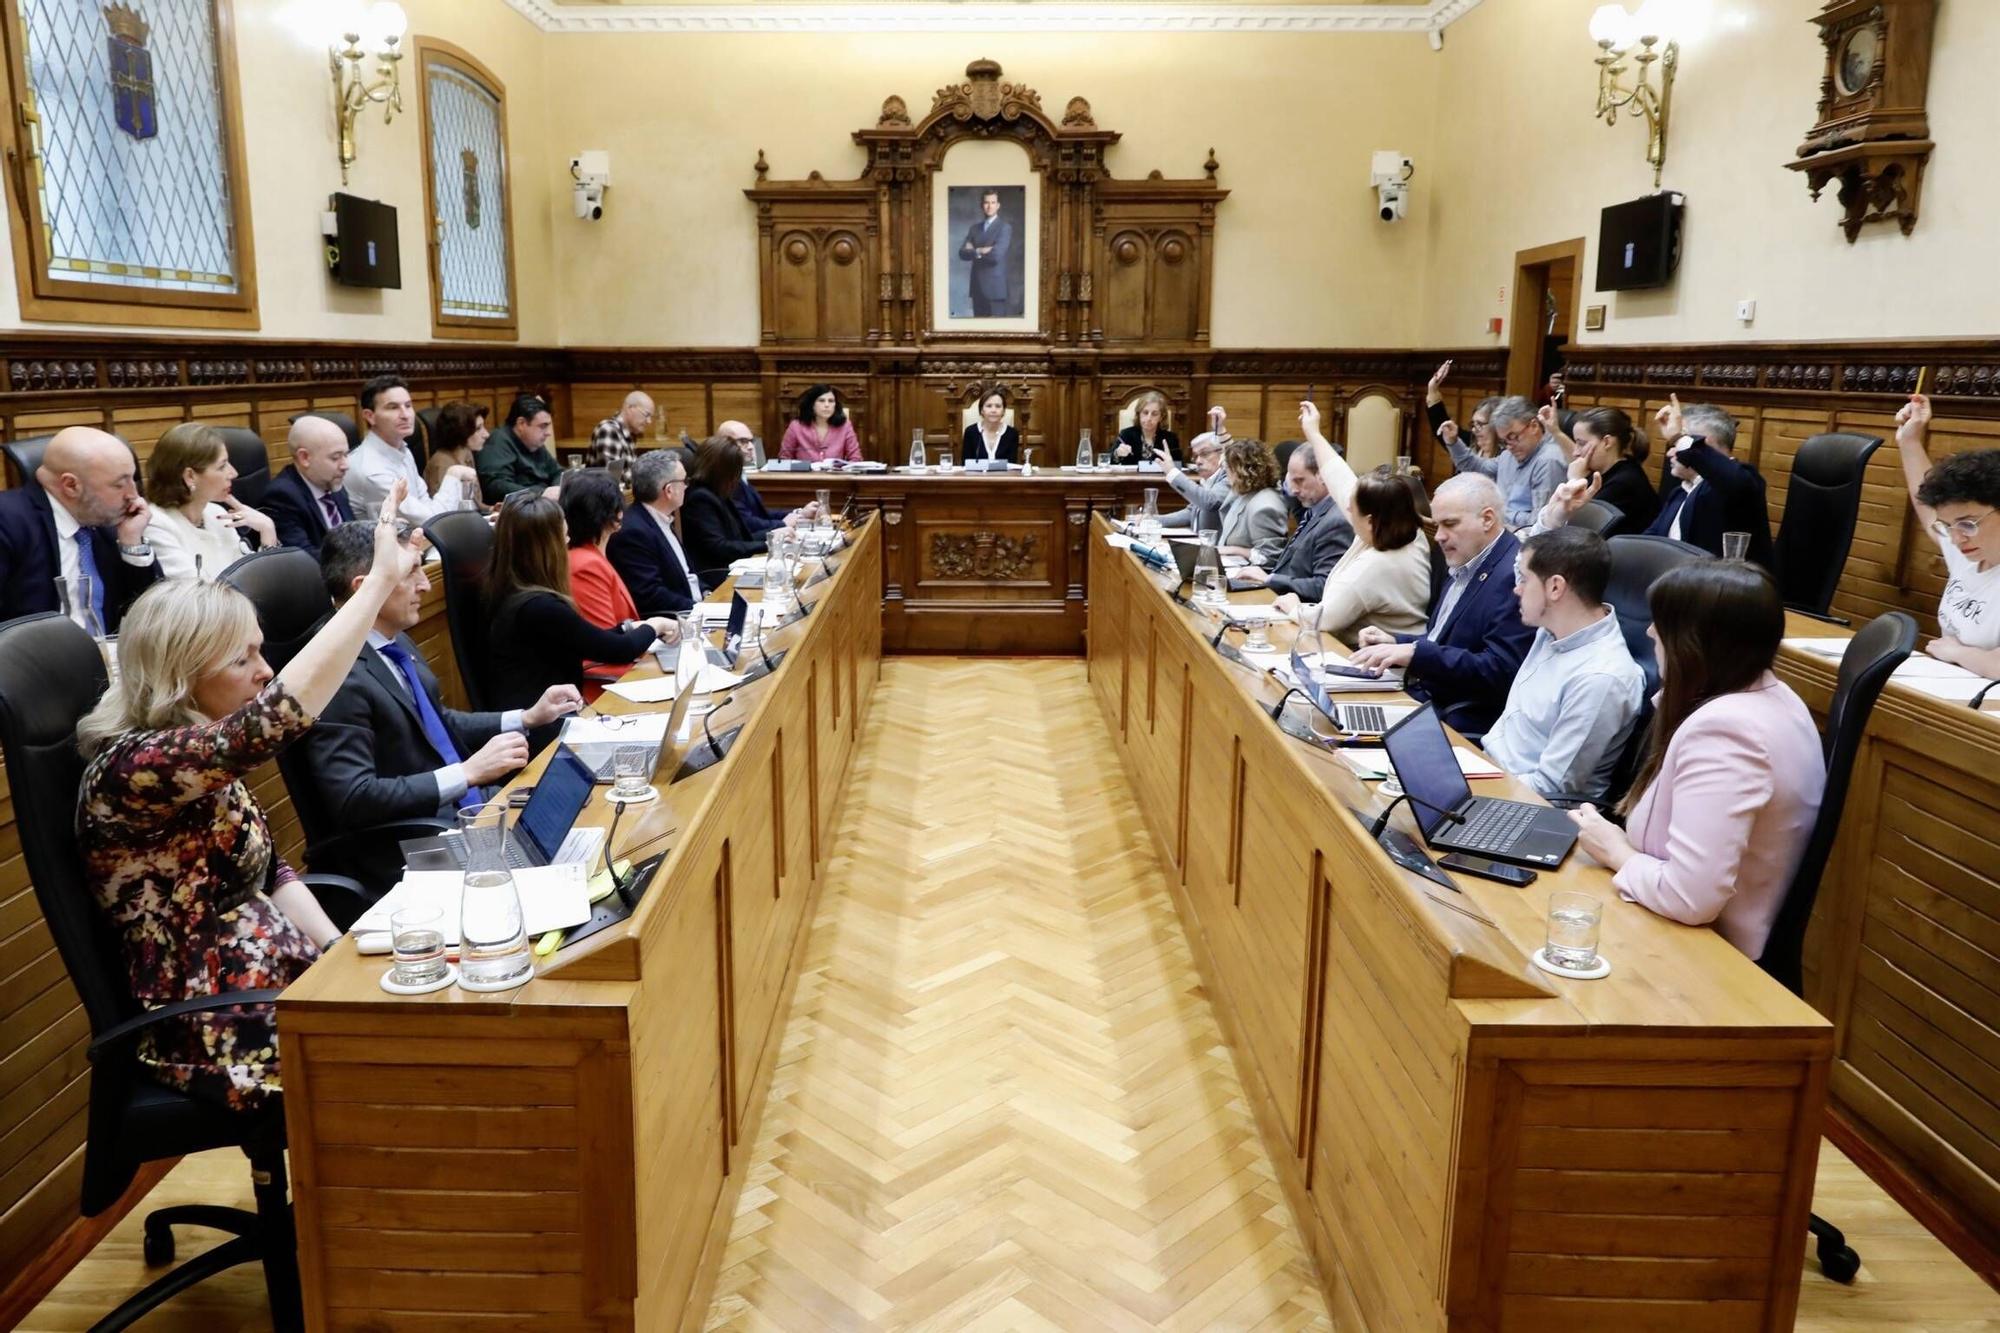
pixel 552 898
pixel 1940 680
pixel 1373 765
pixel 662 689
pixel 1335 684
pixel 625 729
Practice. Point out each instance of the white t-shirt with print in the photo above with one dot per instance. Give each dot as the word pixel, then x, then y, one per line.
pixel 1970 608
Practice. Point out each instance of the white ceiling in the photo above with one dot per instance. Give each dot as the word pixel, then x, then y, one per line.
pixel 989 15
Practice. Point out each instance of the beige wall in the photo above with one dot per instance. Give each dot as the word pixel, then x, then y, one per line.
pixel 289 131
pixel 1523 164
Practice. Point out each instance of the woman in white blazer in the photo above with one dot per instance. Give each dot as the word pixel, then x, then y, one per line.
pixel 198 529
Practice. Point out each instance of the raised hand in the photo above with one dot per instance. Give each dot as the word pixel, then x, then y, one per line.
pixel 1913 423
pixel 1668 419
pixel 1309 419
pixel 1448 432
pixel 1160 455
pixel 1551 419
pixel 1433 392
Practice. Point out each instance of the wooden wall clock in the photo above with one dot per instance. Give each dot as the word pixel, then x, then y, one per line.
pixel 1872 136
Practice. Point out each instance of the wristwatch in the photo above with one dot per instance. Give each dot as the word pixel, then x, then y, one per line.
pixel 142 552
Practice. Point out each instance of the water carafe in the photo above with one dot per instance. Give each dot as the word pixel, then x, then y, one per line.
pixel 493 952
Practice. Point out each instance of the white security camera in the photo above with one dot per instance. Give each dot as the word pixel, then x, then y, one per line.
pixel 589 201
pixel 1390 172
pixel 591 172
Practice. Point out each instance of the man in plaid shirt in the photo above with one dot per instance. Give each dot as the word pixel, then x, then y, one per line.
pixel 615 442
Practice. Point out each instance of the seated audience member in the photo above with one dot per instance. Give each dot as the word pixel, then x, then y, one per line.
pixel 536 636
pixel 1281 454
pixel 456 440
pixel 1606 444
pixel 1578 693
pixel 84 518
pixel 991 439
pixel 1955 501
pixel 591 505
pixel 822 429
pixel 1716 494
pixel 712 528
pixel 1529 467
pixel 386 747
pixel 1474 640
pixel 615 443
pixel 646 551
pixel 1731 782
pixel 383 458
pixel 308 499
pixel 198 528
pixel 1483 442
pixel 1205 492
pixel 759 517
pixel 1323 534
pixel 176 851
pixel 521 455
pixel 1148 433
pixel 1254 521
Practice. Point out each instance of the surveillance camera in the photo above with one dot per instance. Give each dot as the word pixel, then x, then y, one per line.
pixel 1393 201
pixel 589 201
pixel 592 173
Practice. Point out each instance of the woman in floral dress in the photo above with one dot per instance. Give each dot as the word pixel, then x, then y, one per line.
pixel 176 849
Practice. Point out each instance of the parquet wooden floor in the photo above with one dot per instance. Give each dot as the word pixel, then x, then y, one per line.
pixel 1003 1102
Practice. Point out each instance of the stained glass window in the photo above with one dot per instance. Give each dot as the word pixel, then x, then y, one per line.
pixel 465 136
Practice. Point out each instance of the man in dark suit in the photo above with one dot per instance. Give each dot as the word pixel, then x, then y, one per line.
pixel 759 517
pixel 309 498
pixel 386 748
pixel 1715 494
pixel 79 521
pixel 989 245
pixel 1464 661
pixel 646 551
pixel 1322 537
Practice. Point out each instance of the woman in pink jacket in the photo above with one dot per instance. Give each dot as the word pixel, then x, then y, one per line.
pixel 1722 807
pixel 822 429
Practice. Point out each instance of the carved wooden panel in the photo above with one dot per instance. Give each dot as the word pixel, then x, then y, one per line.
pixel 820 275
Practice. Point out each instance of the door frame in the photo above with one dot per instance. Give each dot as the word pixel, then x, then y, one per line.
pixel 1531 286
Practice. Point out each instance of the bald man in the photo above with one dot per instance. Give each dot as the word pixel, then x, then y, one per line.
pixel 615 442
pixel 82 519
pixel 309 498
pixel 760 517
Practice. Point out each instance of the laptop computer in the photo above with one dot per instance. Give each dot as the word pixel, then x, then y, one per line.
pixel 1452 818
pixel 544 833
pixel 1184 556
pixel 1363 718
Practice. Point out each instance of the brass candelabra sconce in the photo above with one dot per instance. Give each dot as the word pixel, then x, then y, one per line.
pixel 1636 44
pixel 376 31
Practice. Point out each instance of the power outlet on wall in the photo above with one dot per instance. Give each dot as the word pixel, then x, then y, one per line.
pixel 1746 311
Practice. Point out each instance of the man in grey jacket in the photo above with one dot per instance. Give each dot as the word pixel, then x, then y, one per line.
pixel 1205 491
pixel 1322 537
pixel 1529 466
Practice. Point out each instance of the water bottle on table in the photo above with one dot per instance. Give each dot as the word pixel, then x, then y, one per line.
pixel 493 952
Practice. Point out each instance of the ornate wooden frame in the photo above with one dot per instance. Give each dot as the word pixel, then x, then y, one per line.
pixel 435 50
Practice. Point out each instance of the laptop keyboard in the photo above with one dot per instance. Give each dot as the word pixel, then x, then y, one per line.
pixel 1495 826
pixel 1363 717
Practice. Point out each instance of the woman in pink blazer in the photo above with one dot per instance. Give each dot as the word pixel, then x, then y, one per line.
pixel 822 429
pixel 1726 798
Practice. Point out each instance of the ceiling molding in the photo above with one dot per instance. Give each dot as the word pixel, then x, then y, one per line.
pixel 991 16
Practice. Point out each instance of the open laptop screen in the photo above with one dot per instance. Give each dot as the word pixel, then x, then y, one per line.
pixel 1421 754
pixel 557 801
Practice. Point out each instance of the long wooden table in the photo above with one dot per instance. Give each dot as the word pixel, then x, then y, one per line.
pixel 1467 1142
pixel 567 1155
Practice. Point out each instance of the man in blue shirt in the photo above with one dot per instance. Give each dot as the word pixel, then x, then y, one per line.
pixel 1578 693
pixel 1529 466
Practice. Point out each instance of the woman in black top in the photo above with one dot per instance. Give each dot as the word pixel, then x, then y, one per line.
pixel 712 528
pixel 1608 443
pixel 1147 433
pixel 537 637
pixel 991 426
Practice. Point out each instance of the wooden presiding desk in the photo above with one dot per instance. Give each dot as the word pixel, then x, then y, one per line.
pixel 567 1155
pixel 1466 1141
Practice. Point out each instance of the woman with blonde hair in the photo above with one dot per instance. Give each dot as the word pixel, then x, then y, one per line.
pixel 197 525
pixel 175 848
pixel 1148 433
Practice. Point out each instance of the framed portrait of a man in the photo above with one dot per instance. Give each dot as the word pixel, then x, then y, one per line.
pixel 987 279
pixel 986 241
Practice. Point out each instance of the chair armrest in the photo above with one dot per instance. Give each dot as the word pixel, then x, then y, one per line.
pixel 343 899
pixel 138 1023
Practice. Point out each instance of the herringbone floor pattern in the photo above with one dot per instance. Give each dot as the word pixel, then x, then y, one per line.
pixel 1003 1101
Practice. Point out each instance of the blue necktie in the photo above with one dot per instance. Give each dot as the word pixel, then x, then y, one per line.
pixel 86 564
pixel 427 714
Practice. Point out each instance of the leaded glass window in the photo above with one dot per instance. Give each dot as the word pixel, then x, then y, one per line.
pixel 465 150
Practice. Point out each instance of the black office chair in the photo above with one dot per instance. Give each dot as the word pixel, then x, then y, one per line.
pixel 284 584
pixel 464 542
pixel 1637 561
pixel 425 439
pixel 24 455
pixel 1873 655
pixel 342 420
pixel 252 461
pixel 1821 506
pixel 1598 516
pixel 50 676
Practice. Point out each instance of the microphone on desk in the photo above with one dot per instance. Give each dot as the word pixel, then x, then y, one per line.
pixel 707 734
pixel 1382 820
pixel 1978 700
pixel 1278 708
pixel 1216 640
pixel 618 882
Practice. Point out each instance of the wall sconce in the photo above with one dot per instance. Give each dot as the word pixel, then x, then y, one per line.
pixel 1651 30
pixel 378 30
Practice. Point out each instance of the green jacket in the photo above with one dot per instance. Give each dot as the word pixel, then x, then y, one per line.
pixel 505 465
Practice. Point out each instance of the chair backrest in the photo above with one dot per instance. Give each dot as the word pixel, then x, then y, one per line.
pixel 1872 656
pixel 252 461
pixel 283 583
pixel 427 424
pixel 419 443
pixel 1598 516
pixel 342 420
pixel 1637 562
pixel 464 542
pixel 1822 504
pixel 24 456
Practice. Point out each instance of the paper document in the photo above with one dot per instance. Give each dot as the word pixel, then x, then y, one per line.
pixel 714 613
pixel 1833 648
pixel 624 729
pixel 1117 541
pixel 1373 765
pixel 1332 683
pixel 661 689
pixel 1246 613
pixel 552 898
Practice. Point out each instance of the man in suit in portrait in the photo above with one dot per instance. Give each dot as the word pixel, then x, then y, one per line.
pixel 309 498
pixel 989 245
pixel 386 748
pixel 80 516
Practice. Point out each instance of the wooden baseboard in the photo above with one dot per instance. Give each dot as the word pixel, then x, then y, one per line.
pixel 33 1283
pixel 1932 1210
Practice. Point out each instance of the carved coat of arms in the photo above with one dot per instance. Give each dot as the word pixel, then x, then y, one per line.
pixel 132 105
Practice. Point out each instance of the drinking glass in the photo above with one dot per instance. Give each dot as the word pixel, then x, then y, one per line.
pixel 493 951
pixel 631 772
pixel 1573 922
pixel 1104 462
pixel 1255 640
pixel 824 499
pixel 1402 465
pixel 416 935
pixel 1735 545
pixel 944 460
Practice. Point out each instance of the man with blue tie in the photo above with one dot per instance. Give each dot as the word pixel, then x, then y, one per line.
pixel 989 245
pixel 386 748
pixel 309 498
pixel 79 523
pixel 1465 660
pixel 646 551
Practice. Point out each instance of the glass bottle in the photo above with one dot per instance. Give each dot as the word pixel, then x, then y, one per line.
pixel 1085 460
pixel 493 952
pixel 917 455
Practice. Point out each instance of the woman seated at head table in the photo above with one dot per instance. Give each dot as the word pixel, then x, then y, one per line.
pixel 991 439
pixel 1147 435
pixel 1725 799
pixel 1956 501
pixel 197 525
pixel 1254 516
pixel 1384 576
pixel 456 441
pixel 176 849
pixel 821 430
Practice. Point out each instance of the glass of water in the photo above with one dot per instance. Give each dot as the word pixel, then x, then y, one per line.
pixel 1402 465
pixel 824 499
pixel 493 951
pixel 1104 462
pixel 1735 545
pixel 1573 922
pixel 631 772
pixel 416 935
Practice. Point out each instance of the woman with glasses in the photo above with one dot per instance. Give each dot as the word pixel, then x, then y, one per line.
pixel 1955 500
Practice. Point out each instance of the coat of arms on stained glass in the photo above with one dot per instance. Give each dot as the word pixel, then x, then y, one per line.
pixel 131 72
pixel 469 161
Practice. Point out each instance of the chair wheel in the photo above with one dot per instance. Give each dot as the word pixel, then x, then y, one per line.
pixel 158 1247
pixel 1838 1262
